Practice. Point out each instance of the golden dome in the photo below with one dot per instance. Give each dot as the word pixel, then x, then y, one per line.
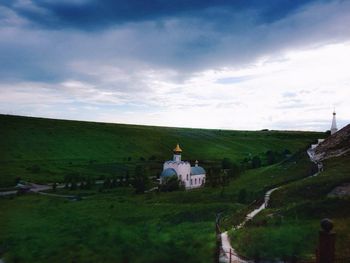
pixel 177 149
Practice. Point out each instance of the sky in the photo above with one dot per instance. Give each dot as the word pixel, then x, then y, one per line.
pixel 224 64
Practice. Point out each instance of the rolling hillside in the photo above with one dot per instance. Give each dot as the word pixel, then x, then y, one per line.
pixel 45 149
pixel 295 210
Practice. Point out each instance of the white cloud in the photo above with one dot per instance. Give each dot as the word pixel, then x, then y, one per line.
pixel 183 71
pixel 317 78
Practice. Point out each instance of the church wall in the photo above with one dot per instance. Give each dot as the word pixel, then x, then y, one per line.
pixel 197 181
pixel 182 169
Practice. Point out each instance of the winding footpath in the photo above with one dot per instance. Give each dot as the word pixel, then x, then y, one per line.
pixel 228 253
pixel 226 248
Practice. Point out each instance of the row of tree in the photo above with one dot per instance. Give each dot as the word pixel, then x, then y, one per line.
pixel 216 176
pixel 270 157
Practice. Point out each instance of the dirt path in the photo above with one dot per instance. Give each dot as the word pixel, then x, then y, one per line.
pixel 227 251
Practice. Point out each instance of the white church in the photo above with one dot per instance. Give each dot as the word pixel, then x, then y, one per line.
pixel 191 177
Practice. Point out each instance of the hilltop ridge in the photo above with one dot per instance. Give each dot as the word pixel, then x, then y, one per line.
pixel 46 149
pixel 334 146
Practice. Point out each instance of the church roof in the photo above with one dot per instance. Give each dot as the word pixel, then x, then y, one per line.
pixel 181 162
pixel 168 172
pixel 196 170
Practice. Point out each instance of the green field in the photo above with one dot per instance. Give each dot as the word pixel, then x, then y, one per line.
pixel 119 226
pixel 45 150
pixel 294 216
pixel 116 225
pixel 111 227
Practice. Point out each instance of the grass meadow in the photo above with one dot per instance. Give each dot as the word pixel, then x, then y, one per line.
pixel 293 218
pixel 45 150
pixel 116 225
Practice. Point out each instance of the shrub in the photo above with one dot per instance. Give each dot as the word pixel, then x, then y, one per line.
pixel 34 168
pixel 152 158
pixel 141 179
pixel 170 184
pixel 256 162
pixel 242 196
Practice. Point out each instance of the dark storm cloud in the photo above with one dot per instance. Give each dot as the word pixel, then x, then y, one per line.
pixel 55 40
pixel 96 14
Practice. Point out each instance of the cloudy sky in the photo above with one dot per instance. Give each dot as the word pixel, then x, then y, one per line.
pixel 232 64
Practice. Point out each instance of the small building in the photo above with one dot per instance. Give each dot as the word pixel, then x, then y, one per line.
pixel 191 177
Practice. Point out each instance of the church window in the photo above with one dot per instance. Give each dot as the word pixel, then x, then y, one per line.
pixel 187 177
pixel 191 181
pixel 195 181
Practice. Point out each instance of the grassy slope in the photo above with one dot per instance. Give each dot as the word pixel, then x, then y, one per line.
pixel 59 146
pixel 294 216
pixel 120 226
pixel 170 227
pixel 257 181
pixel 111 227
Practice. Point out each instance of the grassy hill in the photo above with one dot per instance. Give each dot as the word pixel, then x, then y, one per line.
pixel 292 221
pixel 44 150
pixel 118 226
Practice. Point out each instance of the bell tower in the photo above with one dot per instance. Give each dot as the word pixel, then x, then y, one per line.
pixel 177 153
pixel 334 128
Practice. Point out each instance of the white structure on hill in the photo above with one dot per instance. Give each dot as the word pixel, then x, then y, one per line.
pixel 334 128
pixel 191 177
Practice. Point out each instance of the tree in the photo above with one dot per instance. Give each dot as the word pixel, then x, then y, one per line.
pixel 271 157
pixel 213 177
pixel 286 153
pixel 234 171
pixel 127 178
pixel 242 196
pixel 73 185
pixel 256 162
pixel 226 163
pixel 107 183
pixel 89 183
pixel 67 180
pixel 152 158
pixel 18 180
pixel 114 182
pixel 141 179
pixel 170 184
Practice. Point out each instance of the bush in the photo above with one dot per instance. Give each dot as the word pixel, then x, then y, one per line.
pixel 256 162
pixel 171 184
pixel 34 168
pixel 270 157
pixel 260 243
pixel 226 163
pixel 242 196
pixel 152 158
pixel 141 179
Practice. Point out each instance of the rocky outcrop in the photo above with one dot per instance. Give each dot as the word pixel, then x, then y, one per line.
pixel 340 191
pixel 335 145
